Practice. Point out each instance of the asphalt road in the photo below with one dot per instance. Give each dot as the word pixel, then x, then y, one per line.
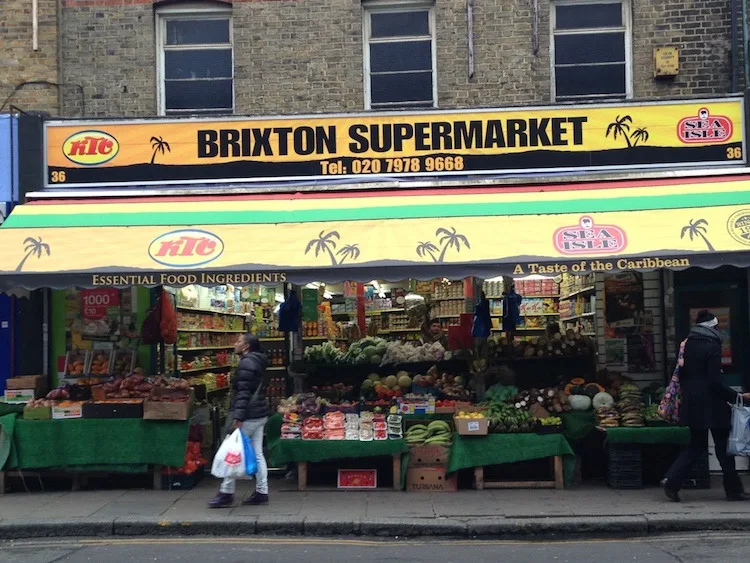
pixel 689 548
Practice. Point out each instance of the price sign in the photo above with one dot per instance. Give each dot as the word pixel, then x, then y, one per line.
pixel 95 303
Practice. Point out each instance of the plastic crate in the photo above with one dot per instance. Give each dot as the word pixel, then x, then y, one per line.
pixel 624 452
pixel 625 482
pixel 181 481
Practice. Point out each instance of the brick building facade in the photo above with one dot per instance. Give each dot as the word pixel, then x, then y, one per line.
pixel 28 73
pixel 308 56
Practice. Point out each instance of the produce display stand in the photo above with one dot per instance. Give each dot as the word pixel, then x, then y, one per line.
pixel 624 447
pixel 84 446
pixel 498 449
pixel 647 435
pixel 304 452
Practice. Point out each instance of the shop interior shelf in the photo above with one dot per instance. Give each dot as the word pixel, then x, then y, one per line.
pixel 222 331
pixel 269 339
pixel 196 348
pixel 533 315
pixel 384 311
pixel 447 316
pixel 462 298
pixel 209 368
pixel 588 289
pixel 276 368
pixel 208 311
pixel 581 316
pixel 527 296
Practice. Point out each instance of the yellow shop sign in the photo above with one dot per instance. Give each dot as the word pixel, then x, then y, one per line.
pixel 373 145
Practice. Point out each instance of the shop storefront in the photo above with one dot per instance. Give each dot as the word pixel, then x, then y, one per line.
pixel 371 266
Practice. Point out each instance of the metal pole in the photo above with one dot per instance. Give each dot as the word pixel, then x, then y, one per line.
pixel 35 24
pixel 746 42
pixel 735 49
pixel 470 33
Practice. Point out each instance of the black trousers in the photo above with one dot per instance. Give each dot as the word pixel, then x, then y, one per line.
pixel 698 447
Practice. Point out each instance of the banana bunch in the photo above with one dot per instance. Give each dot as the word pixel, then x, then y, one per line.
pixel 438 432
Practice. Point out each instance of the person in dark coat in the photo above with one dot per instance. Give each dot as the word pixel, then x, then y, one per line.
pixel 249 409
pixel 704 406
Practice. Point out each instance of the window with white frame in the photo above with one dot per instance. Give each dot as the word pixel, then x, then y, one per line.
pixel 399 56
pixel 195 60
pixel 590 49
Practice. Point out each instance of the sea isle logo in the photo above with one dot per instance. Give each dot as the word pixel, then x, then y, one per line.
pixel 90 148
pixel 589 238
pixel 739 226
pixel 186 248
pixel 705 128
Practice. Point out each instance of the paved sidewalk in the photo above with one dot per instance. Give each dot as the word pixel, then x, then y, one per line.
pixel 583 510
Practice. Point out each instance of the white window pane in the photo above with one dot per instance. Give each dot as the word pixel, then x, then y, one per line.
pixel 196 63
pixel 399 24
pixel 199 94
pixel 587 16
pixel 197 32
pixel 404 87
pixel 401 55
pixel 590 80
pixel 590 48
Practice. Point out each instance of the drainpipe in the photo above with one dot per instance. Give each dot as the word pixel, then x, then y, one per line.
pixel 746 42
pixel 735 49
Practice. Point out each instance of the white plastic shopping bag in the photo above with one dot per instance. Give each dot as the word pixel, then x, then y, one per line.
pixel 229 461
pixel 739 435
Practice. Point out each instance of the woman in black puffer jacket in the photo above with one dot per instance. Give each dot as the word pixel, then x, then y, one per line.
pixel 250 411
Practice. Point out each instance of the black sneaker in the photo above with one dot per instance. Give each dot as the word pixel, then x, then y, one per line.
pixel 222 500
pixel 739 497
pixel 256 499
pixel 671 493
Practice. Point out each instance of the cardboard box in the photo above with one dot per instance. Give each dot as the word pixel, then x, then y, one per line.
pixel 26 382
pixel 158 410
pixel 445 410
pixel 471 426
pixel 19 396
pixel 37 413
pixel 113 409
pixel 74 410
pixel 428 456
pixel 430 480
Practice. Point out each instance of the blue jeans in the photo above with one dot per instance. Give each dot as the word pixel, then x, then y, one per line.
pixel 253 429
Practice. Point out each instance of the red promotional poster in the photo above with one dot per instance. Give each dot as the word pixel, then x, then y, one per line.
pixel 96 302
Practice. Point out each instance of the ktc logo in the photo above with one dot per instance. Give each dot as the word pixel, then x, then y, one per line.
pixel 90 148
pixel 589 238
pixel 186 248
pixel 705 128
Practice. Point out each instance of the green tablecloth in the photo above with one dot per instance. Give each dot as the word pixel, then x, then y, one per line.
pixel 7 426
pixel 9 408
pixel 77 443
pixel 649 435
pixel 496 449
pixel 578 424
pixel 285 451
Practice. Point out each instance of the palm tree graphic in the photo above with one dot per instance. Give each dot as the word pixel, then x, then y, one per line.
pixel 325 243
pixel 33 247
pixel 697 228
pixel 640 134
pixel 620 127
pixel 350 251
pixel 159 145
pixel 427 249
pixel 449 238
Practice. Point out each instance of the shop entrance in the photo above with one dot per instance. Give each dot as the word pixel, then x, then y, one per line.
pixel 724 292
